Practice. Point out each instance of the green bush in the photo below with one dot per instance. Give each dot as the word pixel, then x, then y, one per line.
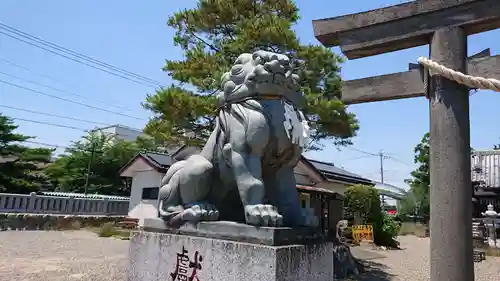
pixel 364 200
pixel 107 230
pixel 385 231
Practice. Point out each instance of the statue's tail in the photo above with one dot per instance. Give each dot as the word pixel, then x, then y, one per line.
pixel 169 193
pixel 171 171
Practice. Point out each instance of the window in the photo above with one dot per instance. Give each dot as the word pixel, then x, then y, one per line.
pixel 303 204
pixel 150 193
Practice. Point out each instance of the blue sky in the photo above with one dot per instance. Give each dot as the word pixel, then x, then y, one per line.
pixel 135 37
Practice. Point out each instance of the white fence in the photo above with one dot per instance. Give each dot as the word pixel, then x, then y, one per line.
pixel 43 204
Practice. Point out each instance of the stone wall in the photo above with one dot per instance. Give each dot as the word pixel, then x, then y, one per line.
pixel 19 221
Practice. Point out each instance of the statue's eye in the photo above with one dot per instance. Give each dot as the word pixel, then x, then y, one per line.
pixel 237 69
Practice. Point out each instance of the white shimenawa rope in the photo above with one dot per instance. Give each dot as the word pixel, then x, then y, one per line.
pixel 467 80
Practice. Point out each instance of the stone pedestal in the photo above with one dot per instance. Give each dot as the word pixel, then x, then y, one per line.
pixel 220 251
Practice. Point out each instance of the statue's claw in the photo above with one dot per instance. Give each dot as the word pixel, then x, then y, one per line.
pixel 200 212
pixel 170 214
pixel 193 213
pixel 263 215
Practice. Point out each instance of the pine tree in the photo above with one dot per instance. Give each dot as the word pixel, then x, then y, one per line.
pixel 20 166
pixel 212 36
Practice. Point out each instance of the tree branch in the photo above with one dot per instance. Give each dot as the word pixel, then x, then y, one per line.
pixel 205 42
pixel 227 32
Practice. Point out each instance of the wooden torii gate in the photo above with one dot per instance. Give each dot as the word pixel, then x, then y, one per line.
pixel 445 25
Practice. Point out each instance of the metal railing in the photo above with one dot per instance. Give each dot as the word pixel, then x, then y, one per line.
pixel 43 204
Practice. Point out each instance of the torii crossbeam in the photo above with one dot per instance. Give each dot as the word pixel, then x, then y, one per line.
pixel 445 25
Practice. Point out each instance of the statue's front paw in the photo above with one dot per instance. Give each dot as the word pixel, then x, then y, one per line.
pixel 263 215
pixel 200 212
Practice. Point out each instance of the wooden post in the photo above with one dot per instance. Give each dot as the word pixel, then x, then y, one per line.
pixel 451 193
pixel 32 203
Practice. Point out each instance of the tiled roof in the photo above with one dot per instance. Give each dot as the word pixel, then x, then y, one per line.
pixel 161 160
pixel 331 172
pixel 318 190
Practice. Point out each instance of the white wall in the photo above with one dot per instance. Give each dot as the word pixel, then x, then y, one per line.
pixel 302 178
pixel 337 187
pixel 123 133
pixel 140 208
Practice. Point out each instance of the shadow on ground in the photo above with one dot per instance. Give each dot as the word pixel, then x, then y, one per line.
pixel 357 263
pixel 372 271
pixel 369 271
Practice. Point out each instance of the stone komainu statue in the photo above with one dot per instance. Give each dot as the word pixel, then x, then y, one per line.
pixel 245 170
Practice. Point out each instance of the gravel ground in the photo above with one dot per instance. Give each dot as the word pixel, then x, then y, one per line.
pixel 81 255
pixel 57 256
pixel 412 263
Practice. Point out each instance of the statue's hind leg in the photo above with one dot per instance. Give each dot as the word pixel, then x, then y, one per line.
pixel 184 192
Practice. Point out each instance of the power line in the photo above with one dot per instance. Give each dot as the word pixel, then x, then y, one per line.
pixel 54 115
pixel 362 151
pixel 46 144
pixel 70 101
pixel 62 126
pixel 29 70
pixel 385 155
pixel 54 88
pixel 382 156
pixel 52 124
pixel 67 147
pixel 359 157
pixel 79 55
pixel 73 59
pixel 82 59
pixel 399 161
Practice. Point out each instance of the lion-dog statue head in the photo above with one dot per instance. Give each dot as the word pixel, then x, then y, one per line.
pixel 260 74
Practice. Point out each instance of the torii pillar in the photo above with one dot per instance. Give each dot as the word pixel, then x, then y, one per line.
pixel 445 25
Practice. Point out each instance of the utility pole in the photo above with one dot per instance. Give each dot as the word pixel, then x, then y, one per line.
pixel 89 167
pixel 381 155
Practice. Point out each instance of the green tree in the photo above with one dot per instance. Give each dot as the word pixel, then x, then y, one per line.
pixel 417 200
pixel 212 36
pixel 106 156
pixel 20 166
pixel 364 201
